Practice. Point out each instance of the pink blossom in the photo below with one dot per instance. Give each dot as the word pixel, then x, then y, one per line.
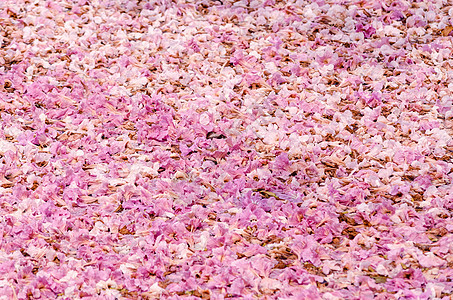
pixel 281 150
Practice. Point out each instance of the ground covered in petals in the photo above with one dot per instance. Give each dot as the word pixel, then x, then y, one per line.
pixel 226 149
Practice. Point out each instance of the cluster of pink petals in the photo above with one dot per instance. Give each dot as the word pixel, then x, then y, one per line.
pixel 226 149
